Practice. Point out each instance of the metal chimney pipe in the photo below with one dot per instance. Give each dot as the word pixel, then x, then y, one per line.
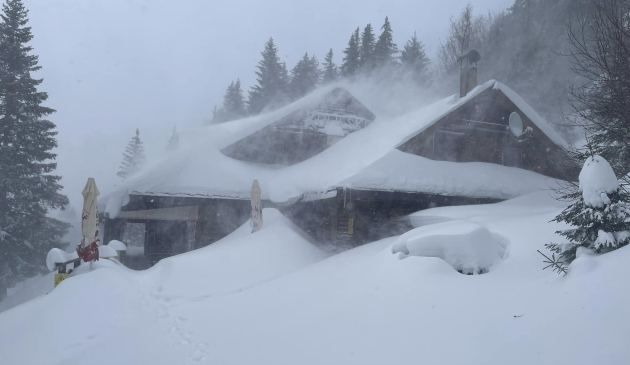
pixel 468 72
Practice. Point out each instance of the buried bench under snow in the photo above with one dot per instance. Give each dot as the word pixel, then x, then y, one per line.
pixel 468 247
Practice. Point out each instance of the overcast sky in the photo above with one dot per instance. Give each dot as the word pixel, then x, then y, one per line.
pixel 110 66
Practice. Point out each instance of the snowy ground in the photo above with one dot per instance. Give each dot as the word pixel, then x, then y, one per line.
pixel 274 298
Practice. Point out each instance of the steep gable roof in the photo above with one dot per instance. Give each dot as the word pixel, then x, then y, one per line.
pixel 202 171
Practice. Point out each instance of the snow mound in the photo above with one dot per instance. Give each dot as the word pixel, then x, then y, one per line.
pixel 239 261
pixel 117 245
pixel 468 247
pixel 106 252
pixel 56 255
pixel 597 179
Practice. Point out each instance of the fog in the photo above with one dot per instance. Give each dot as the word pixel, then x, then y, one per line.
pixel 113 66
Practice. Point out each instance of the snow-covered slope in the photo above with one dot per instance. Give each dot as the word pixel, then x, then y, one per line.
pixel 365 306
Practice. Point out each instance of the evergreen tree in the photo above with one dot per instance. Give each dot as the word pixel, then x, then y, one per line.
pixel 304 76
pixel 385 49
pixel 352 58
pixel 217 115
pixel 173 141
pixel 233 103
pixel 414 60
pixel 367 48
pixel 272 78
pixel 600 216
pixel 28 188
pixel 133 157
pixel 330 73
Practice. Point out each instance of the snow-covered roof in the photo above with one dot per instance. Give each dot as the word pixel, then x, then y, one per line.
pixel 201 170
pixel 400 171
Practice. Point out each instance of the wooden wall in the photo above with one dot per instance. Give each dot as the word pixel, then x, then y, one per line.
pixel 540 153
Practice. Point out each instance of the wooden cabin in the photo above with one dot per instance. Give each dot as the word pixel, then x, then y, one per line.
pixel 481 146
pixel 494 126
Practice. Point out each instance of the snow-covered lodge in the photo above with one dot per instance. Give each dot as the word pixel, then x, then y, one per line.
pixel 340 171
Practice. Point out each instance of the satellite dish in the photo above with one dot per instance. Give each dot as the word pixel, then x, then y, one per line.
pixel 516 124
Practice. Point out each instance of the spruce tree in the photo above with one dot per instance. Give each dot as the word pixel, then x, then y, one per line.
pixel 304 76
pixel 385 48
pixel 330 73
pixel 601 215
pixel 133 157
pixel 217 115
pixel 414 60
pixel 272 78
pixel 233 103
pixel 173 141
pixel 352 58
pixel 367 48
pixel 28 187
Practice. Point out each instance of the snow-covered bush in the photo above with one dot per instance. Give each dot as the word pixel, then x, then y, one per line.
pixel 468 247
pixel 600 216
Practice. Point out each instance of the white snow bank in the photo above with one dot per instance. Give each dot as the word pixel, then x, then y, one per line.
pixel 238 261
pixel 363 306
pixel 106 252
pixel 28 289
pixel 402 171
pixel 117 245
pixel 56 255
pixel 538 203
pixel 597 179
pixel 468 247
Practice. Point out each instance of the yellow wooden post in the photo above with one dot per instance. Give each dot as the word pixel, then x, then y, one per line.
pixel 59 278
pixel 351 226
pixel 61 274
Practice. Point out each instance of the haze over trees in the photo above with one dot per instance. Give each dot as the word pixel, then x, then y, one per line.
pixel 28 186
pixel 133 157
pixel 600 104
pixel 271 89
pixel 415 62
pixel 331 72
pixel 522 47
pixel 173 141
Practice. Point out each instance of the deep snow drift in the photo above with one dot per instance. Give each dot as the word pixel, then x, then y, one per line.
pixel 468 247
pixel 273 298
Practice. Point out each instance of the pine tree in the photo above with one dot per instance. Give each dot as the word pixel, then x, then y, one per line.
pixel 352 58
pixel 233 103
pixel 133 157
pixel 367 48
pixel 414 60
pixel 272 78
pixel 330 73
pixel 173 141
pixel 600 216
pixel 217 115
pixel 304 76
pixel 28 188
pixel 385 48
